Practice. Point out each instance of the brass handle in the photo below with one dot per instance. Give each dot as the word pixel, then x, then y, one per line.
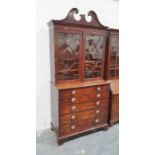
pixel 96 120
pixel 73 99
pixel 73 127
pixel 98 88
pixel 98 95
pixel 97 111
pixel 73 117
pixel 73 92
pixel 73 107
pixel 97 102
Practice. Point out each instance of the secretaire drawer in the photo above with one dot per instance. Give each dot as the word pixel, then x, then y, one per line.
pixel 77 92
pixel 66 108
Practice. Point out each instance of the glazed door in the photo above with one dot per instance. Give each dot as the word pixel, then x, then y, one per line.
pixel 68 51
pixel 114 56
pixel 94 55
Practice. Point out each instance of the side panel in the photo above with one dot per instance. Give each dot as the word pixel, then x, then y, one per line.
pixel 52 56
pixel 54 105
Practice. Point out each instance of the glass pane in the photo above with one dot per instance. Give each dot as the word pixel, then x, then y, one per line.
pixel 68 56
pixel 114 56
pixel 93 56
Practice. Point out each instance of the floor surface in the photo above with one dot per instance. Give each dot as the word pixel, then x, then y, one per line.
pixel 98 143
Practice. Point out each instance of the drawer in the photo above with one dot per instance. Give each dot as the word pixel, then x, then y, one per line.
pixel 80 92
pixel 84 98
pixel 73 128
pixel 79 116
pixel 68 107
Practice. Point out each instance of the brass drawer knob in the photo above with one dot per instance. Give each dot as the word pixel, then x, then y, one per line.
pixel 97 102
pixel 73 117
pixel 73 92
pixel 98 95
pixel 73 107
pixel 97 111
pixel 73 99
pixel 73 127
pixel 97 120
pixel 98 88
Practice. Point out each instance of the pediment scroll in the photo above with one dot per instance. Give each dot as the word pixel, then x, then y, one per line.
pixel 70 19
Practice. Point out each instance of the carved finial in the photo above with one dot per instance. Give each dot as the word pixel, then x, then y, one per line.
pixel 83 19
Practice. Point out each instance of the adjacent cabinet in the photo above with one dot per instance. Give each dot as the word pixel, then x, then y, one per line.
pixel 84 58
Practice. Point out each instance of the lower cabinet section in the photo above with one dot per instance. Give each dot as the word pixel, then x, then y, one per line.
pixel 82 108
pixel 79 108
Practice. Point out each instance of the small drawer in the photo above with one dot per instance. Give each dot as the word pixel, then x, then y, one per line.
pixel 66 108
pixel 80 92
pixel 85 98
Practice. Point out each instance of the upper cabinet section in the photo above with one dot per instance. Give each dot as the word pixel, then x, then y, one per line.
pixel 79 48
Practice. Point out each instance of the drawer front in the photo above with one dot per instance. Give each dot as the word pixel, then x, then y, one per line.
pixel 73 128
pixel 85 97
pixel 67 108
pixel 79 116
pixel 82 92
